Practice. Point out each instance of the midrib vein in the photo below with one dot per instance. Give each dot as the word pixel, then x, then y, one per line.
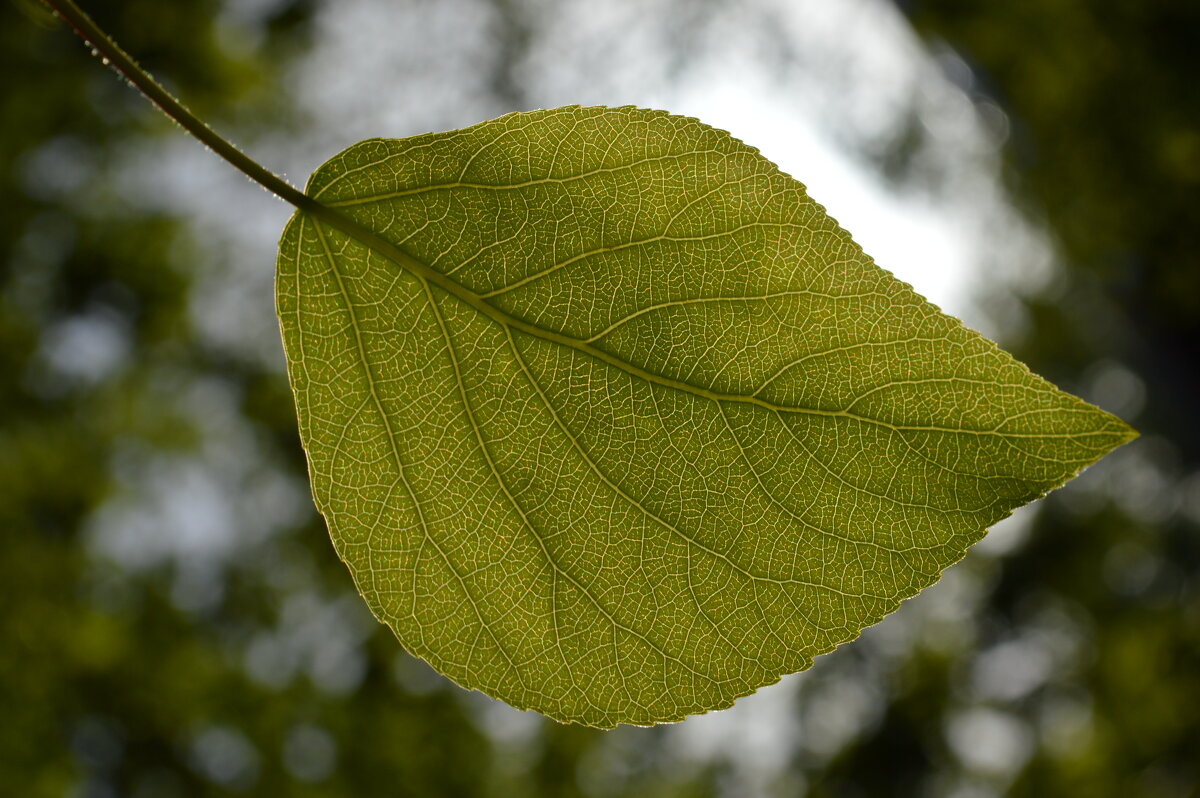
pixel 381 246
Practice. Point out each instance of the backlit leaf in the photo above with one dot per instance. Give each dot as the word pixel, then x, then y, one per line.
pixel 611 421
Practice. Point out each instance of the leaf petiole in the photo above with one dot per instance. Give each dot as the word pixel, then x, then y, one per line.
pixel 112 54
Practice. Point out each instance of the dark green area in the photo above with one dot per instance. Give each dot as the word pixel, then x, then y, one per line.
pixel 118 682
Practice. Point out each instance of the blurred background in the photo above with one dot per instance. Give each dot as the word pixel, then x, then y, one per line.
pixel 174 620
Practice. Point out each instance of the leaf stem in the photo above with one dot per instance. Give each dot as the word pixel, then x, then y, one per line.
pixel 151 89
pixel 118 59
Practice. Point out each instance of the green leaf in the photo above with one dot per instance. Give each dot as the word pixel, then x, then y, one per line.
pixel 610 420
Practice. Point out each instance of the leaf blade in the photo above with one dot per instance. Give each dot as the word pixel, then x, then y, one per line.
pixel 643 407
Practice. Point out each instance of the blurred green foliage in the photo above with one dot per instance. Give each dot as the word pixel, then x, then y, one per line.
pixel 138 682
pixel 109 688
pixel 1105 110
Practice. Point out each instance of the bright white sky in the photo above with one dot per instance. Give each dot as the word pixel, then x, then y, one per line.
pixel 851 72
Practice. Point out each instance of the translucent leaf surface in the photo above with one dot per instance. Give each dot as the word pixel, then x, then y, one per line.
pixel 613 422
